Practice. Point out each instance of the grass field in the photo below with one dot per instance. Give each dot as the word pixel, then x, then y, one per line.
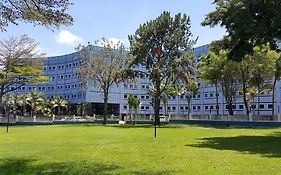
pixel 89 149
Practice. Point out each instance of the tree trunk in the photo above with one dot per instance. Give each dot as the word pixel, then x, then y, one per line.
pixel 157 111
pixel 217 99
pixel 8 119
pixel 258 101
pixel 58 110
pixel 189 107
pixel 105 106
pixel 245 97
pixel 273 97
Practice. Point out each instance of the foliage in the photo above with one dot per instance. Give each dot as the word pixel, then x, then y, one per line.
pixel 160 45
pixel 216 69
pixel 249 23
pixel 58 102
pixel 20 64
pixel 104 67
pixel 34 99
pixel 39 12
pixel 134 103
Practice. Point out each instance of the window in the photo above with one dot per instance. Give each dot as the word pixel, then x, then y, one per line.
pixel 198 107
pixel 198 96
pixel 211 107
pixel 125 96
pixel 125 107
pixel 174 108
pixel 147 107
pixel 186 108
pixel 142 107
pixel 206 107
pixel 194 107
pixel 211 95
pixel 241 106
pixel 270 106
pixel 206 95
pixel 181 107
pixel 142 97
pixel 261 106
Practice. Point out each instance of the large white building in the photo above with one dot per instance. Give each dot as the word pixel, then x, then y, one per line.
pixel 66 83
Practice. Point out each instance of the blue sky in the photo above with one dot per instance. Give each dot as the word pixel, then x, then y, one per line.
pixel 114 20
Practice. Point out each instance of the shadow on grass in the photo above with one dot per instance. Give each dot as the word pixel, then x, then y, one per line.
pixel 267 146
pixel 145 126
pixel 29 166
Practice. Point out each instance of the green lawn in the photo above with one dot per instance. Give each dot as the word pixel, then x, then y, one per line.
pixel 89 149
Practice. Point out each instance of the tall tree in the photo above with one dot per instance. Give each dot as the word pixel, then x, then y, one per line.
pixel 211 70
pixel 215 68
pixel 159 45
pixel 39 12
pixel 105 66
pixel 250 23
pixel 264 60
pixel 20 64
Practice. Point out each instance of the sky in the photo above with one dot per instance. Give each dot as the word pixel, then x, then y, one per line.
pixel 114 20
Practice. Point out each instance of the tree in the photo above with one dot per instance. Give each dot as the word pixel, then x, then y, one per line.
pixel 44 12
pixel 190 89
pixel 230 82
pixel 34 99
pixel 20 64
pixel 46 108
pixel 158 45
pixel 14 100
pixel 135 104
pixel 7 108
pixel 59 103
pixel 215 68
pixel 264 60
pixel 105 66
pixel 249 23
pixel 211 70
pixel 277 76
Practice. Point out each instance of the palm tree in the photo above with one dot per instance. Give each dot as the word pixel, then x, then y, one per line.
pixel 45 108
pixel 22 102
pixel 34 99
pixel 14 101
pixel 59 103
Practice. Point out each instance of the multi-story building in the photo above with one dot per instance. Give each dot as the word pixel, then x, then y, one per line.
pixel 66 83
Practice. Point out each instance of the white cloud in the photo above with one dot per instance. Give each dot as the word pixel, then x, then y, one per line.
pixel 66 37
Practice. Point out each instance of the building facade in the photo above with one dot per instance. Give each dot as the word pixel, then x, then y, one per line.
pixel 65 82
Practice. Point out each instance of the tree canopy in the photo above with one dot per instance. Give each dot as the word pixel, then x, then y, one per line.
pixel 39 12
pixel 249 23
pixel 162 46
pixel 103 67
pixel 20 64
